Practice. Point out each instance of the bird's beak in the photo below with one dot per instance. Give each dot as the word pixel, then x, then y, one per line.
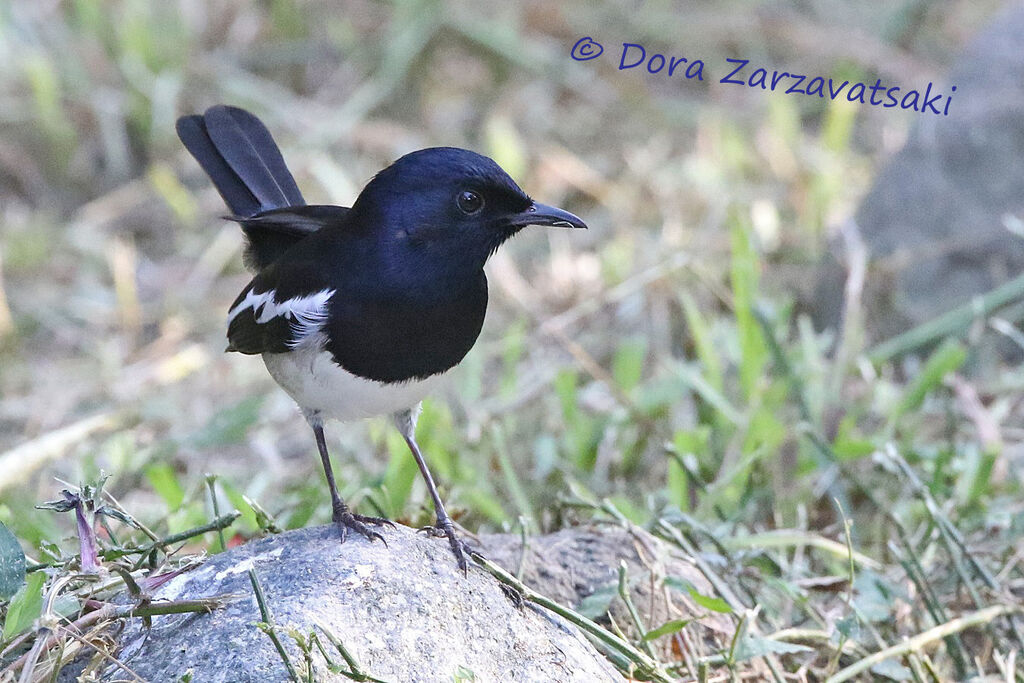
pixel 542 214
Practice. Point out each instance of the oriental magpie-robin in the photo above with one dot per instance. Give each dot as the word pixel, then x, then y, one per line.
pixel 359 311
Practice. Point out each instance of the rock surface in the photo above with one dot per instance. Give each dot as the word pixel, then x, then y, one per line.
pixel 404 612
pixel 572 564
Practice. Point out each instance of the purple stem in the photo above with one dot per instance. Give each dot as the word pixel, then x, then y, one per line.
pixel 86 540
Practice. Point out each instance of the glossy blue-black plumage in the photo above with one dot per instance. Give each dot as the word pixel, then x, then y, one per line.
pixel 374 328
pixel 405 263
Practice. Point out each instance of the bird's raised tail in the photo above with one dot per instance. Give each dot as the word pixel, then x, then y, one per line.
pixel 243 161
pixel 238 153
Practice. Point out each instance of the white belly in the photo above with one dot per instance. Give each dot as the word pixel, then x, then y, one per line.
pixel 318 384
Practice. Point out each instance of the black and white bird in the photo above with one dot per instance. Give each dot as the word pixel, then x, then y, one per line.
pixel 360 311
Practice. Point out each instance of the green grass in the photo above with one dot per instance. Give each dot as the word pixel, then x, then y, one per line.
pixel 659 371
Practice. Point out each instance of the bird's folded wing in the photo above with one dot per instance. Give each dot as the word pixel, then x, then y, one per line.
pixel 269 319
pixel 271 233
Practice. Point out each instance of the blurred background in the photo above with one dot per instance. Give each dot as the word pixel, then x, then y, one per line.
pixel 673 360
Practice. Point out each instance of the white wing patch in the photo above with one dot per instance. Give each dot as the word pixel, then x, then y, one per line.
pixel 306 313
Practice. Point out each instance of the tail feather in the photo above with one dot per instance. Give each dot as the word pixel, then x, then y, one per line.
pixel 241 158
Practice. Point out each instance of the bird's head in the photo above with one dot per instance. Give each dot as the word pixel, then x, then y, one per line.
pixel 448 209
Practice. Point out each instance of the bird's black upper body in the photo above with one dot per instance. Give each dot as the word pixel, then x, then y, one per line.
pixel 392 288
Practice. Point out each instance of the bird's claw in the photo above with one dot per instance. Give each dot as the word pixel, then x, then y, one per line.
pixel 444 528
pixel 347 520
pixel 513 594
pixel 434 530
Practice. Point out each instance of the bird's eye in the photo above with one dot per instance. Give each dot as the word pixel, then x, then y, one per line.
pixel 470 202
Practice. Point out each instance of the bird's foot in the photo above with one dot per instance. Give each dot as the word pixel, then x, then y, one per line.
pixel 345 519
pixel 444 528
pixel 513 594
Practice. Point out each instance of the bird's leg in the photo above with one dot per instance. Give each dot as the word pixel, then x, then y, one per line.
pixel 406 423
pixel 342 516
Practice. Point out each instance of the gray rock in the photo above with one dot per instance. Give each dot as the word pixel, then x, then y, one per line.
pixel 404 612
pixel 935 222
pixel 570 565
